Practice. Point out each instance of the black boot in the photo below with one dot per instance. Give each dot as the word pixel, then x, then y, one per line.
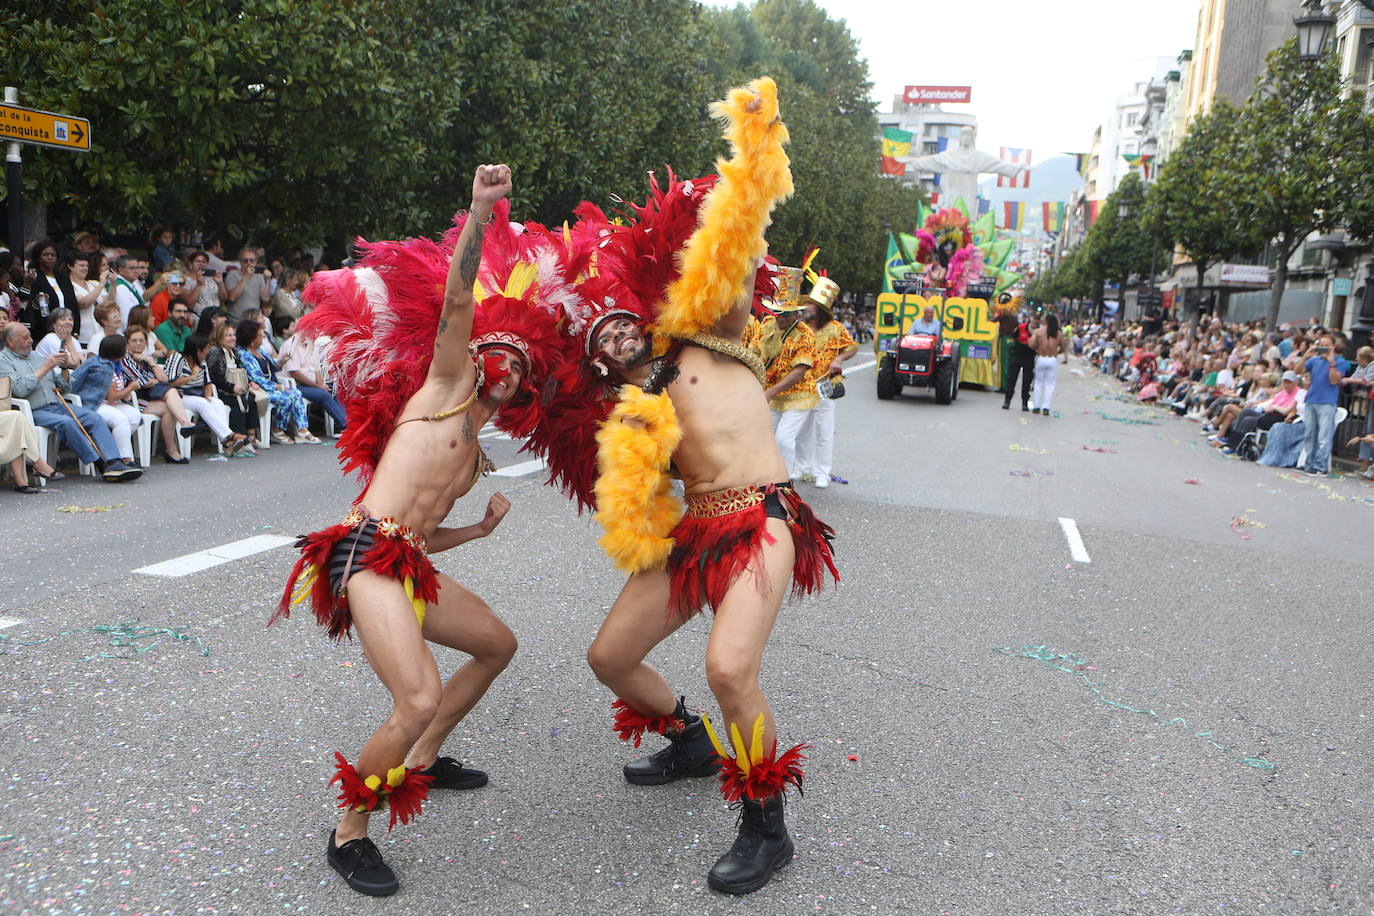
pixel 689 753
pixel 761 848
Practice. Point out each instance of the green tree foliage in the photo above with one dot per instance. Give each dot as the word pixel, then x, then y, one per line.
pixel 1191 205
pixel 582 98
pixel 824 91
pixel 296 117
pixel 313 120
pixel 1302 159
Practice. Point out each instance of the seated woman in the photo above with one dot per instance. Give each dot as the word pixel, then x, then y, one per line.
pixel 19 448
pixel 61 338
pixel 287 403
pixel 186 373
pixel 108 321
pixel 1281 407
pixel 1259 391
pixel 231 383
pixel 157 397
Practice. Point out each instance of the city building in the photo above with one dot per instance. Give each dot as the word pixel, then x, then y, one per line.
pixel 1354 47
pixel 1172 124
pixel 1233 39
pixel 929 124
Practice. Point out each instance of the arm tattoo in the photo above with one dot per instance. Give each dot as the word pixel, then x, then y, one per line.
pixel 467 430
pixel 443 326
pixel 471 257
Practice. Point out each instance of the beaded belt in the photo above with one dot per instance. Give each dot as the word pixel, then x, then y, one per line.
pixel 723 502
pixel 388 527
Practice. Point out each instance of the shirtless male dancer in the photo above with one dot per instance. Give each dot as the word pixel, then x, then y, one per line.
pixel 746 536
pixel 370 573
pixel 1047 342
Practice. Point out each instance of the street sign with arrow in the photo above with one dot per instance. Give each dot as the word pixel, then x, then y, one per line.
pixel 44 128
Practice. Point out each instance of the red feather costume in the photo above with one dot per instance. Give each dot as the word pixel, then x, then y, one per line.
pixel 381 319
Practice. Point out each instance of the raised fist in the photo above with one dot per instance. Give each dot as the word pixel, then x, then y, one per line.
pixel 490 184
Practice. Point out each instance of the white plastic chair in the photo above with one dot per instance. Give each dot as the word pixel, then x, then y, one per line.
pixel 47 438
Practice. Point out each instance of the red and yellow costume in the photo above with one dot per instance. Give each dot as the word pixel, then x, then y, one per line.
pixel 381 318
pixel 721 538
pixel 329 557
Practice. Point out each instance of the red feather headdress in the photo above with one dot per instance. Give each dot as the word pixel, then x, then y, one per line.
pixel 381 316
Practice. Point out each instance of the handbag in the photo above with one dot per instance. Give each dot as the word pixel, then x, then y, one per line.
pixel 157 391
pixel 237 376
pixel 6 402
pixel 837 389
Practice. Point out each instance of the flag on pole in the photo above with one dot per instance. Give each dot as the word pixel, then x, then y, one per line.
pixel 1014 213
pixel 1080 163
pixel 1093 207
pixel 896 144
pixel 1054 216
pixel 1140 161
pixel 892 262
pixel 1021 157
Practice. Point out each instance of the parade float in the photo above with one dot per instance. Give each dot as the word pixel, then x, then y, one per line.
pixel 957 266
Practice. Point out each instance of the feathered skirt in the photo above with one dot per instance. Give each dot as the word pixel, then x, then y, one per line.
pixel 329 557
pixel 722 537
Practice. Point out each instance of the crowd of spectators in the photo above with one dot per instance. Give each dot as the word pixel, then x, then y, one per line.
pixel 98 341
pixel 1274 398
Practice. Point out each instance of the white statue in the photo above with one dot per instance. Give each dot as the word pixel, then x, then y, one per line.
pixel 960 167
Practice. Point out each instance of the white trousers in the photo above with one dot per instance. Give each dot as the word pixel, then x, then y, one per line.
pixel 122 419
pixel 787 425
pixel 1045 374
pixel 816 444
pixel 214 413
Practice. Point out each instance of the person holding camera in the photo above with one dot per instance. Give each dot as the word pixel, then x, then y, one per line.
pixel 248 286
pixel 1323 392
pixel 210 290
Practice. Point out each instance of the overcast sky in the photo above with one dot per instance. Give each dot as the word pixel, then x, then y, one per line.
pixel 1044 72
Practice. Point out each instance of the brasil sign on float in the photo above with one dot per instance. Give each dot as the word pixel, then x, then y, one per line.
pixel 956 267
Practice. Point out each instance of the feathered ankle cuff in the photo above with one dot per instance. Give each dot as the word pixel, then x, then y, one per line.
pixel 631 725
pixel 404 790
pixel 751 774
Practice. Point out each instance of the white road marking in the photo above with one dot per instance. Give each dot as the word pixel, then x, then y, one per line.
pixel 9 622
pixel 1076 548
pixel 521 469
pixel 215 556
pixel 871 362
pixel 493 434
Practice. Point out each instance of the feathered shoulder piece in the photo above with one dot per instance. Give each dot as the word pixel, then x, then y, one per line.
pixel 380 318
pixel 638 258
pixel 635 502
pixel 719 256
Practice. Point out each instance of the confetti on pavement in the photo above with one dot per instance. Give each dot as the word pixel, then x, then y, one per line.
pixel 74 509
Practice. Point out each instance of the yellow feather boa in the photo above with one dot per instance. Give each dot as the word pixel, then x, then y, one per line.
pixel 634 497
pixel 717 260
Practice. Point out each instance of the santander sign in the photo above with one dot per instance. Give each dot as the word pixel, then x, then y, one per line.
pixel 928 95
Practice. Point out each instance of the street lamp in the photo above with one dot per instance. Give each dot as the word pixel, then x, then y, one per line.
pixel 1123 209
pixel 1314 31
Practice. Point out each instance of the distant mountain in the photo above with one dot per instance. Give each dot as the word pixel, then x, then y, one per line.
pixel 1052 180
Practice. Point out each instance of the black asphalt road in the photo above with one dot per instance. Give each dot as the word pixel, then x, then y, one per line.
pixel 1180 725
